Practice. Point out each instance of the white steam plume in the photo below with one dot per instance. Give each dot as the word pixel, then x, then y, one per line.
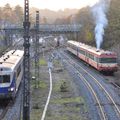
pixel 99 11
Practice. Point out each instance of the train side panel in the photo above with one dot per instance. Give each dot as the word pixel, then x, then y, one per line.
pixel 94 58
pixel 81 54
pixel 11 71
pixel 72 50
pixel 19 74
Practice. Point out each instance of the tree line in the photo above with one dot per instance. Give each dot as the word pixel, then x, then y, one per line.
pixel 85 18
pixel 14 16
pixel 11 16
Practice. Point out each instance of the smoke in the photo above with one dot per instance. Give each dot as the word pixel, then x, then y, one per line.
pixel 99 11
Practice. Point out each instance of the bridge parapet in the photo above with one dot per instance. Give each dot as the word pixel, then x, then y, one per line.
pixel 49 28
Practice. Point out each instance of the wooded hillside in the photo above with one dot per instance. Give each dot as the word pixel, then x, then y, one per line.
pixel 11 16
pixel 112 35
pixel 85 18
pixel 14 15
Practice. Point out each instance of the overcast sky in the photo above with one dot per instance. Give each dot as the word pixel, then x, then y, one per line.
pixel 51 4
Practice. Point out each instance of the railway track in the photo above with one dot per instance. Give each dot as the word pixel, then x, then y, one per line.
pixel 102 114
pixel 91 83
pixel 4 108
pixel 15 46
pixel 117 86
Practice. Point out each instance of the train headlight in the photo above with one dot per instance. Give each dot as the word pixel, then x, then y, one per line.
pixel 11 89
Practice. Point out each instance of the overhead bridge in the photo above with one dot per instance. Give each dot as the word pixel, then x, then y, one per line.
pixel 51 29
pixel 59 28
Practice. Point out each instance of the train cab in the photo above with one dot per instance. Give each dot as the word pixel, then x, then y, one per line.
pixel 11 71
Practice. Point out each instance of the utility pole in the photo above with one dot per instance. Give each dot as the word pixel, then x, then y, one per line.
pixel 26 77
pixel 37 50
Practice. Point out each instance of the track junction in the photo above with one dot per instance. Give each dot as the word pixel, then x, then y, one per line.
pixel 105 101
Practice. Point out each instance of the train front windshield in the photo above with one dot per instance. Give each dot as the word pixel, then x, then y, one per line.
pixel 108 60
pixel 4 78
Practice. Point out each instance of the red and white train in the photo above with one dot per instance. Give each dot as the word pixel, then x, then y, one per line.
pixel 104 61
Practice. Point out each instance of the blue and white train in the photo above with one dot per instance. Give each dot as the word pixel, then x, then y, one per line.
pixel 11 72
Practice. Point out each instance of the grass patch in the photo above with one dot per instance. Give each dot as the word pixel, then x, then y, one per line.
pixel 64 117
pixel 56 62
pixel 72 108
pixel 58 117
pixel 36 115
pixel 79 100
pixel 85 108
pixel 36 106
pixel 41 84
pixel 42 62
pixel 56 87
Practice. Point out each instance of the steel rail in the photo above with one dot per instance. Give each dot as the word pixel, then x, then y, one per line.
pixel 5 109
pixel 103 117
pixel 100 85
pixel 98 101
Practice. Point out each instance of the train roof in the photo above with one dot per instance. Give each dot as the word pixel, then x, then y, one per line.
pixel 9 60
pixel 91 49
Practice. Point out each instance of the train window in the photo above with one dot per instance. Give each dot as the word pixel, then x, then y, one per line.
pixel 96 59
pixel 5 79
pixel 91 56
pixel 87 54
pixel 108 60
pixel 81 51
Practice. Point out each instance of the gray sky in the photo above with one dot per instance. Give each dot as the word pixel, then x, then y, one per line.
pixel 51 4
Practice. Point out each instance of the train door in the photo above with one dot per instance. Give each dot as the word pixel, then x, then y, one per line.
pixel 87 57
pixel 97 59
pixel 77 52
